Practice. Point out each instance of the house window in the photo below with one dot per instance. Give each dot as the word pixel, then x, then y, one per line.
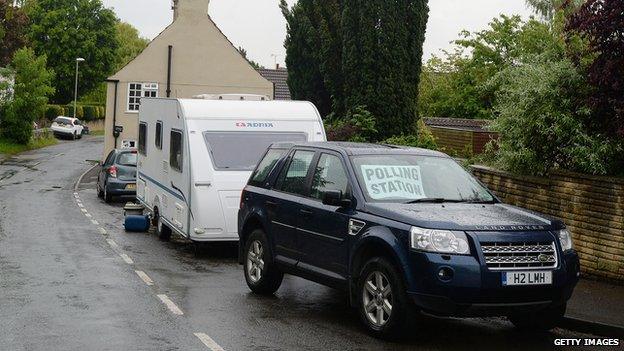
pixel 159 136
pixel 138 90
pixel 142 138
pixel 176 156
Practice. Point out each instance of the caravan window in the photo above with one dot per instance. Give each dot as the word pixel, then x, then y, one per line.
pixel 241 151
pixel 159 135
pixel 142 138
pixel 176 156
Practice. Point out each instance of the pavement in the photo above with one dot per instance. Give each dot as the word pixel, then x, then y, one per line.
pixel 71 278
pixel 597 307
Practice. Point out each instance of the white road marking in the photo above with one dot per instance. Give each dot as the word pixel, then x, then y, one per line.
pixel 95 222
pixel 126 258
pixel 102 231
pixel 145 278
pixel 206 340
pixel 88 215
pixel 170 305
pixel 80 205
pixel 112 243
pixel 84 210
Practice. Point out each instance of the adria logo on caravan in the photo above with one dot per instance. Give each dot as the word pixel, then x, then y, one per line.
pixel 255 125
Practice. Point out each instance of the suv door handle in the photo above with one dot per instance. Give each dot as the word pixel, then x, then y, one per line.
pixel 306 213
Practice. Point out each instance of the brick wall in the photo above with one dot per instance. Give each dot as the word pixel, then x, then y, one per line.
pixel 592 208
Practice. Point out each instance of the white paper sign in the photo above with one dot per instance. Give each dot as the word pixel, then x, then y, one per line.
pixel 391 182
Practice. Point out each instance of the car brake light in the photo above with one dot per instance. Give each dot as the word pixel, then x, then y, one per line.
pixel 112 171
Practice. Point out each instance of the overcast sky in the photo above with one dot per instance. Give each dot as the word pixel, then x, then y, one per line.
pixel 258 25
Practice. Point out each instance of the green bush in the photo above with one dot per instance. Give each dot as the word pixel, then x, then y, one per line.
pixel 102 112
pixel 543 123
pixel 357 126
pixel 89 113
pixel 53 111
pixel 70 111
pixel 423 139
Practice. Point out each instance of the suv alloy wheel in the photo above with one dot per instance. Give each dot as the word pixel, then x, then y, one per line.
pixel 261 274
pixel 383 304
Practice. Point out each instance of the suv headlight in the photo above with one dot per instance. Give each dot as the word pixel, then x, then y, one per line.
pixel 566 239
pixel 441 241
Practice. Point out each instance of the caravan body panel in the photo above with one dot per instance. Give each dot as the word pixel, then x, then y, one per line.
pixel 222 142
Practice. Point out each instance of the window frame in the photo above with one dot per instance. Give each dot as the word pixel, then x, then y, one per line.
pixel 158 139
pixel 142 90
pixel 349 191
pixel 286 166
pixel 171 132
pixel 142 146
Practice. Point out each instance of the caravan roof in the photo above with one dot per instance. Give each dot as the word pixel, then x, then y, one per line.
pixel 244 110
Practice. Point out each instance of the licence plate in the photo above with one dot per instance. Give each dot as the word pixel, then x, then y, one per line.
pixel 527 278
pixel 131 186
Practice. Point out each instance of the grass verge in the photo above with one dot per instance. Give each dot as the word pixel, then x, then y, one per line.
pixel 10 148
pixel 97 132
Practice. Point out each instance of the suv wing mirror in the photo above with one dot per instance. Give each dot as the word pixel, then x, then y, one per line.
pixel 335 198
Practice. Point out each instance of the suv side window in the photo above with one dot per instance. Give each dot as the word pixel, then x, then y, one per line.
pixel 265 166
pixel 293 177
pixel 329 175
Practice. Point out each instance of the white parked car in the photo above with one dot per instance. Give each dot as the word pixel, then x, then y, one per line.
pixel 67 127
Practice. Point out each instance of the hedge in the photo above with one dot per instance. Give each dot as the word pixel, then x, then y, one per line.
pixel 53 111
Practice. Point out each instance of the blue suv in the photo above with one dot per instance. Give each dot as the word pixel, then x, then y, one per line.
pixel 402 230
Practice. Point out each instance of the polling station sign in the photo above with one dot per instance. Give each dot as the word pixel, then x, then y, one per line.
pixel 392 182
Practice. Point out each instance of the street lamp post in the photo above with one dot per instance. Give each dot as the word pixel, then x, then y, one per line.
pixel 78 60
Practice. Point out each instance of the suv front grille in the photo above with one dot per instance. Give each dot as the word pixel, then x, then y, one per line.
pixel 519 255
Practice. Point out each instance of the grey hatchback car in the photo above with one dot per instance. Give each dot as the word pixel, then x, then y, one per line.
pixel 117 176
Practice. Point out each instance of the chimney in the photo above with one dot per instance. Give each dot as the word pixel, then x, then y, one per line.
pixel 189 8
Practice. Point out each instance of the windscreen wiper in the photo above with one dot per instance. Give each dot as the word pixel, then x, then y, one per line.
pixel 433 200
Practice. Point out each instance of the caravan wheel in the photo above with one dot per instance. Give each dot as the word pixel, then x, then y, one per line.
pixel 163 232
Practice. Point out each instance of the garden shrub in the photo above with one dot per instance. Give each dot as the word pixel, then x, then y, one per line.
pixel 53 111
pixel 423 139
pixel 357 126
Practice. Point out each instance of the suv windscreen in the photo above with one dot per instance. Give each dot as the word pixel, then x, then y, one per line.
pixel 127 159
pixel 241 151
pixel 405 178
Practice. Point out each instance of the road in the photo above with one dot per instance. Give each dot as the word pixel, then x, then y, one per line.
pixel 72 279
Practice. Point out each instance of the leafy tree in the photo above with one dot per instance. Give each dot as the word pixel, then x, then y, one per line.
pixel 131 44
pixel 13 23
pixel 541 122
pixel 31 90
pixel 66 29
pixel 456 85
pixel 601 24
pixel 253 63
pixel 304 53
pixel 382 59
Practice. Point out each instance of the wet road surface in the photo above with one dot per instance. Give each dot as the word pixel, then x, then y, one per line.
pixel 72 279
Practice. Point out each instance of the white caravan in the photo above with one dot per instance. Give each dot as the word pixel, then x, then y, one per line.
pixel 196 155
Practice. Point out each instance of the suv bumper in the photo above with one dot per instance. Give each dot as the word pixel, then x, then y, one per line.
pixel 474 290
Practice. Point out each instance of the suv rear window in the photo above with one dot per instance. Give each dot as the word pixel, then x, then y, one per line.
pixel 266 166
pixel 241 151
pixel 127 159
pixel 63 120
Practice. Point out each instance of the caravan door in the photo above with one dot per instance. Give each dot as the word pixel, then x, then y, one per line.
pixel 234 155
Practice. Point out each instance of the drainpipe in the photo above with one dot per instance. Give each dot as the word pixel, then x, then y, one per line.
pixel 116 81
pixel 169 71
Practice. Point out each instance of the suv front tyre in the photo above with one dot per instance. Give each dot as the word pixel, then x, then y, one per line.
pixel 383 304
pixel 261 274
